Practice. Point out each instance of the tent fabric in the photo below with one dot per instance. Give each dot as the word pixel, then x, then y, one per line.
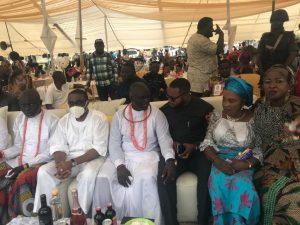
pixel 132 23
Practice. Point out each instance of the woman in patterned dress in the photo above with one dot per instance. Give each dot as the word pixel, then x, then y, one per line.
pixel 278 180
pixel 233 195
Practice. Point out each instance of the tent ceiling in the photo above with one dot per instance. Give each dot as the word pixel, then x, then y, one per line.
pixel 136 23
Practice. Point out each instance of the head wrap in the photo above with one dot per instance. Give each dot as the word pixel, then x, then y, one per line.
pixel 240 87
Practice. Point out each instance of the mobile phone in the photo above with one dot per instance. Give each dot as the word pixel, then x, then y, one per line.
pixel 180 149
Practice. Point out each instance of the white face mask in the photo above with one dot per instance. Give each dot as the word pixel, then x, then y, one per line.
pixel 77 111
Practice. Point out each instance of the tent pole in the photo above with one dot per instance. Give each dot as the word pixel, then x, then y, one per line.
pixel 106 35
pixel 273 5
pixel 80 37
pixel 8 36
pixel 228 24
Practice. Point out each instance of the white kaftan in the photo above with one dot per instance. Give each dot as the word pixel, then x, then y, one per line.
pixel 48 126
pixel 140 199
pixel 4 137
pixel 75 139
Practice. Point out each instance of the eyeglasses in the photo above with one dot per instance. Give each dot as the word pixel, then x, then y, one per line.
pixel 171 98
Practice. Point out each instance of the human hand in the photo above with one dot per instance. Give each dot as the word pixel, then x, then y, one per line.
pixel 124 176
pixel 189 149
pixel 64 169
pixel 239 165
pixel 14 172
pixel 218 30
pixel 224 166
pixel 294 127
pixel 169 172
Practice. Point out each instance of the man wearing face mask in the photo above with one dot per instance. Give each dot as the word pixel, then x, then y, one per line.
pixel 33 129
pixel 128 177
pixel 78 146
pixel 57 92
pixel 101 64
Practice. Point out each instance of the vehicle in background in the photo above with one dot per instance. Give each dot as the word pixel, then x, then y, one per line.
pixel 133 53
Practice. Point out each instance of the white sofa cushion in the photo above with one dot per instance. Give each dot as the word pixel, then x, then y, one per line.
pixel 107 107
pixel 3 113
pixel 187 197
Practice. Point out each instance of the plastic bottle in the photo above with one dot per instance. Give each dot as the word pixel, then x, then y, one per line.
pixel 99 217
pixel 57 212
pixel 111 214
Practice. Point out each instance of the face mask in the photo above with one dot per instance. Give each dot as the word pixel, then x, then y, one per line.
pixel 77 111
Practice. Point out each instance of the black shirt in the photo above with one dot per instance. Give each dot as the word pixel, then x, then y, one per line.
pixel 157 85
pixel 271 57
pixel 188 124
pixel 9 100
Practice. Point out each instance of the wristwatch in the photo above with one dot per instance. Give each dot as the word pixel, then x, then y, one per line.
pixel 74 163
pixel 174 160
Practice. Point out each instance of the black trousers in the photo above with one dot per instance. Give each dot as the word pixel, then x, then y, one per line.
pixel 198 164
pixel 105 91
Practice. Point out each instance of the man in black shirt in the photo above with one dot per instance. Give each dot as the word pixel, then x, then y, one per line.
pixel 9 100
pixel 187 116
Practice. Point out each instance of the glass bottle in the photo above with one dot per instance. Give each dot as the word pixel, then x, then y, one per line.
pixel 77 215
pixel 44 213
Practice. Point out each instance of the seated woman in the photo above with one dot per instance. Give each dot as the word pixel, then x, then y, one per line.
pixel 18 82
pixel 278 180
pixel 234 198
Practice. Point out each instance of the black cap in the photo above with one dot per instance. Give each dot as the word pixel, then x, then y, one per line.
pixel 98 41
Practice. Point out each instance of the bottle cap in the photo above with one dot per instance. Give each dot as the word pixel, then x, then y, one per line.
pixel 54 192
pixel 109 204
pixel 98 209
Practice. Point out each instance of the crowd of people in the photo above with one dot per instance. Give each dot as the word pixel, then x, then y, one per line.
pixel 245 157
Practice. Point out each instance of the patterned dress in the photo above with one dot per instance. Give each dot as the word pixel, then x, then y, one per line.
pixel 278 180
pixel 234 198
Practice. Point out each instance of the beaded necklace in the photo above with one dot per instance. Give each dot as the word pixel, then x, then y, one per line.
pixel 24 138
pixel 131 122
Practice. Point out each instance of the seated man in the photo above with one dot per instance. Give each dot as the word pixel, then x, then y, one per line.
pixel 80 138
pixel 128 177
pixel 18 173
pixel 187 117
pixel 156 82
pixel 57 92
pixel 7 99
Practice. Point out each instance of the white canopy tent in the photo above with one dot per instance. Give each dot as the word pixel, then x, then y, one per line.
pixel 131 23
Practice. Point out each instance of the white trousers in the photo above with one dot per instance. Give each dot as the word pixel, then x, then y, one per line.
pixel 85 174
pixel 140 199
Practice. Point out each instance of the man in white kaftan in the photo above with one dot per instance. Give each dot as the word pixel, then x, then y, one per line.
pixel 128 177
pixel 33 129
pixel 80 138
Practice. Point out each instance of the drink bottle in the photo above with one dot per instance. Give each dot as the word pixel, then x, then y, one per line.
pixel 56 207
pixel 111 214
pixel 44 213
pixel 99 217
pixel 77 215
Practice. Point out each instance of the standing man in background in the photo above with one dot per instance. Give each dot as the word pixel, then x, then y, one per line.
pixel 202 56
pixel 101 64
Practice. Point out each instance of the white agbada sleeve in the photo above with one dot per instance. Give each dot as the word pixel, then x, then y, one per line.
pixel 163 136
pixel 100 136
pixel 49 96
pixel 3 134
pixel 58 142
pixel 15 150
pixel 115 142
pixel 45 156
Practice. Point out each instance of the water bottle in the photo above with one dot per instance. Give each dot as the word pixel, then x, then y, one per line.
pixel 56 207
